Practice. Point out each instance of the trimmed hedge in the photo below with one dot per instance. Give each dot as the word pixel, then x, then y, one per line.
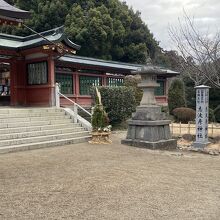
pixel 184 115
pixel 119 102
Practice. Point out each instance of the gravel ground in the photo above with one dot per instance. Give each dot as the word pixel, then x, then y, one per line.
pixel 114 181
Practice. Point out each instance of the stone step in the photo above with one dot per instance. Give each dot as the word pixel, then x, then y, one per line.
pixel 19 135
pixel 24 115
pixel 30 119
pixel 31 128
pixel 35 123
pixel 28 110
pixel 39 139
pixel 38 128
pixel 44 144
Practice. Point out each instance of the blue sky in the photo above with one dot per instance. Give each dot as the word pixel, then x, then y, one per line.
pixel 159 14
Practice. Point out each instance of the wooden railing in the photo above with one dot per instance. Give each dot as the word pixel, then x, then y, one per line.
pixel 179 129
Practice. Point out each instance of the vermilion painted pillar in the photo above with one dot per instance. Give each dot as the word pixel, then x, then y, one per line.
pixel 13 83
pixel 51 71
pixel 18 82
pixel 104 80
pixel 77 91
pixel 166 89
pixel 51 80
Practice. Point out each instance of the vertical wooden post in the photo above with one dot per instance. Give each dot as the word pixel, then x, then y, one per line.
pixel 166 88
pixel 77 86
pixel 172 127
pixel 212 129
pixel 21 82
pixel 104 80
pixel 13 77
pixel 51 80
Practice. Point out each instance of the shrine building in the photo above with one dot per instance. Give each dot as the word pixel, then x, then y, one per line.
pixel 30 66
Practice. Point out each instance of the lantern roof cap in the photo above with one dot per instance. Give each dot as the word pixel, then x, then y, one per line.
pixel 202 87
pixel 150 69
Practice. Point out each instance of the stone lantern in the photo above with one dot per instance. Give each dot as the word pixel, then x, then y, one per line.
pixel 149 127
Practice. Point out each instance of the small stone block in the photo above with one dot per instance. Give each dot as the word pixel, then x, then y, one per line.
pixel 200 145
pixel 170 144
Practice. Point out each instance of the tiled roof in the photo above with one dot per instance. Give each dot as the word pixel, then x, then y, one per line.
pixel 99 62
pixel 55 35
pixel 10 11
pixel 108 64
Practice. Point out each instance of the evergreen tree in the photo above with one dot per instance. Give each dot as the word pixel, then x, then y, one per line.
pixel 105 29
pixel 176 95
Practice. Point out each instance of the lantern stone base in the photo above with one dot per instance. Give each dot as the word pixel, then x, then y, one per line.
pixel 159 145
pixel 150 134
pixel 149 113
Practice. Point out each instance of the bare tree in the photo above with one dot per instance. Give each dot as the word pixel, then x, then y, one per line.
pixel 200 52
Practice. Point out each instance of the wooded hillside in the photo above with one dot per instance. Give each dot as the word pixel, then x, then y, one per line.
pixel 105 29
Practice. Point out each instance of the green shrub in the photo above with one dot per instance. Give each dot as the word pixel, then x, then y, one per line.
pixel 165 109
pixel 184 115
pixel 176 95
pixel 119 102
pixel 132 82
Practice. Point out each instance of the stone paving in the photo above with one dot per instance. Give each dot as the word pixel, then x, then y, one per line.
pixel 85 181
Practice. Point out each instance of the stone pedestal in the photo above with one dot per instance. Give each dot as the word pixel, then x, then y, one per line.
pixel 150 134
pixel 148 127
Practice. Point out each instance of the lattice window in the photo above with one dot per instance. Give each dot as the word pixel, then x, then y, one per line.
pixel 160 91
pixel 114 81
pixel 86 82
pixel 66 82
pixel 37 73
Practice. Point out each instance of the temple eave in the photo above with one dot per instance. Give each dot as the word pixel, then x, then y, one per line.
pixel 10 12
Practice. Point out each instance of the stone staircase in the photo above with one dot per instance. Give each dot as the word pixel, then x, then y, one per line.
pixel 31 128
